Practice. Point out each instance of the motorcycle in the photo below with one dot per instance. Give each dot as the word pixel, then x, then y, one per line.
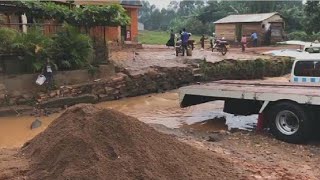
pixel 179 47
pixel 221 46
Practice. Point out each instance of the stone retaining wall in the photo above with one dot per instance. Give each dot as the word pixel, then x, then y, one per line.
pixel 19 89
pixel 151 80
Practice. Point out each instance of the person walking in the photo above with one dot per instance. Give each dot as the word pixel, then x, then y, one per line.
pixel 170 42
pixel 254 38
pixel 184 38
pixel 243 43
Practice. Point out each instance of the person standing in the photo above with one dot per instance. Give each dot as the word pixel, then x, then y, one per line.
pixel 212 38
pixel 170 43
pixel 254 38
pixel 48 73
pixel 184 38
pixel 243 43
pixel 202 39
pixel 268 36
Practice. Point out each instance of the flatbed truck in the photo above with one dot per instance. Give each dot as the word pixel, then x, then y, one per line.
pixel 290 110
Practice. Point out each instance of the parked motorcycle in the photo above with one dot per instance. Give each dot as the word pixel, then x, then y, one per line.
pixel 221 46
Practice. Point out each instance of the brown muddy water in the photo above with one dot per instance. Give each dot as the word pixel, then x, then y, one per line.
pixel 155 108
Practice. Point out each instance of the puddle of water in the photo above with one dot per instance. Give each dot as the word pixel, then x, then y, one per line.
pixel 161 109
pixel 15 131
pixel 210 125
pixel 164 109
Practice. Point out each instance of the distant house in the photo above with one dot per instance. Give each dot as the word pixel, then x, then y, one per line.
pixel 233 27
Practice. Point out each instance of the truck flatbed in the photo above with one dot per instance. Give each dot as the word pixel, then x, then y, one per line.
pixel 250 90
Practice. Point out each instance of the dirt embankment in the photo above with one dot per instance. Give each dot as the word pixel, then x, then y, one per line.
pixel 90 143
pixel 155 79
pixel 246 70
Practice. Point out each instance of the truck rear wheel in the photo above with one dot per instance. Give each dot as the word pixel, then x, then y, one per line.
pixel 289 122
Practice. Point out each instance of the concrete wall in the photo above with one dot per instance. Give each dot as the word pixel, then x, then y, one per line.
pixel 25 83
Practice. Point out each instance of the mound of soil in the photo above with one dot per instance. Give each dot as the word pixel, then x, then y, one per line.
pixel 90 143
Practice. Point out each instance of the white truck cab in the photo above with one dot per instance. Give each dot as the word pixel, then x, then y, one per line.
pixel 306 70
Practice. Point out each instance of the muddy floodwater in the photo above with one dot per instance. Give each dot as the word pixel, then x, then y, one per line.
pixel 155 108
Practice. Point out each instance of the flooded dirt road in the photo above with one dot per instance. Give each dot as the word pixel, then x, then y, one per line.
pixel 161 109
pixel 15 131
pixel 203 126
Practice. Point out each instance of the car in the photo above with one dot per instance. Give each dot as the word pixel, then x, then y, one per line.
pixel 305 49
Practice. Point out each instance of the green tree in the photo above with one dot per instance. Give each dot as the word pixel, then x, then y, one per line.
pixel 312 11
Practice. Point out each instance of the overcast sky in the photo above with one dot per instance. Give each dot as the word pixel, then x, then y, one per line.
pixel 164 3
pixel 160 3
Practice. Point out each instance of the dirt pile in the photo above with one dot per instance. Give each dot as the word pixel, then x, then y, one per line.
pixel 90 143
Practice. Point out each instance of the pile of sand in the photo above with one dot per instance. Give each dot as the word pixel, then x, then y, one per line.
pixel 90 143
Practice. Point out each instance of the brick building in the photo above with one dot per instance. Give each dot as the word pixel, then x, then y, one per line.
pixel 119 34
pixel 125 33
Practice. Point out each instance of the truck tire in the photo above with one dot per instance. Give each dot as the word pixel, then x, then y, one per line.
pixel 290 122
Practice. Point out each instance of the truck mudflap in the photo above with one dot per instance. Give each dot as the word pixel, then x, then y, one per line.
pixel 190 100
pixel 242 107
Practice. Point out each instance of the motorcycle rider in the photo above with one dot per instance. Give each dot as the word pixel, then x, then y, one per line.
pixel 217 42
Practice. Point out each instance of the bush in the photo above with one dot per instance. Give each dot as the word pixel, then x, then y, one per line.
pixel 67 50
pixel 70 49
pixel 7 39
pixel 32 46
pixel 303 36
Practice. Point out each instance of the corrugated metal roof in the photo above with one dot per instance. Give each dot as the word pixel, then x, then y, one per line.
pixel 245 18
pixel 131 3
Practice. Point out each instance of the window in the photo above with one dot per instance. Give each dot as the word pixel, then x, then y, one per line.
pixel 313 50
pixel 307 68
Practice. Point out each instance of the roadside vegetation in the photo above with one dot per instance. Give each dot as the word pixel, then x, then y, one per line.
pixel 70 47
pixel 242 70
pixel 158 37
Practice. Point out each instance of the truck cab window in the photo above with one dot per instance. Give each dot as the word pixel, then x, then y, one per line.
pixel 307 69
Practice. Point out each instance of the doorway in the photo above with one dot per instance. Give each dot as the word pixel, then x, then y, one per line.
pixel 238 32
pixel 123 33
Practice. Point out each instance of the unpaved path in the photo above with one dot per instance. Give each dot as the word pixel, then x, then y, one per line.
pixel 12 166
pixel 158 55
pixel 261 156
